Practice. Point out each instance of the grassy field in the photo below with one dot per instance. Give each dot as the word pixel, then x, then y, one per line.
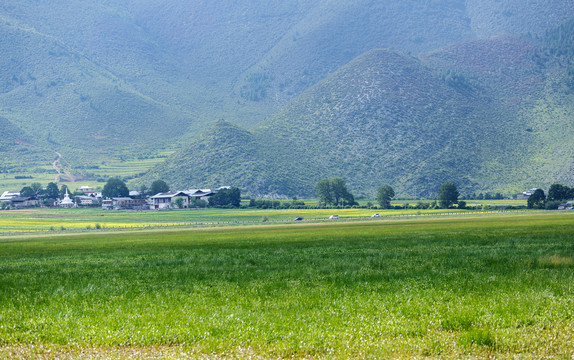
pixel 43 173
pixel 443 287
pixel 91 219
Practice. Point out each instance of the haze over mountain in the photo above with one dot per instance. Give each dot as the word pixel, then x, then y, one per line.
pixel 95 81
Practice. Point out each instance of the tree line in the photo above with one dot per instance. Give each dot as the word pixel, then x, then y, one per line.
pixel 557 194
pixel 334 192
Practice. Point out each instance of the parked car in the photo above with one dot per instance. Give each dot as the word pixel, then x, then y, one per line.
pixel 333 217
pixel 375 215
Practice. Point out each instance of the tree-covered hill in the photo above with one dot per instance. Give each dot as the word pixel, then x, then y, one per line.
pixel 110 79
pixel 414 122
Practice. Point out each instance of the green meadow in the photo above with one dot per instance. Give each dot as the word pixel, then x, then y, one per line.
pixel 96 219
pixel 437 287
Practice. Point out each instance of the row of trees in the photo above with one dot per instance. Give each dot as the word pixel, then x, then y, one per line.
pixel 334 192
pixel 557 193
pixel 117 188
pixel 48 194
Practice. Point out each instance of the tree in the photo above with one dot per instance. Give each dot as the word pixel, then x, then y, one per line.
pixel 334 191
pixel 52 191
pixel 349 199
pixel 143 192
pixel 198 203
pixel 159 186
pixel 559 192
pixel 226 197
pixel 537 200
pixel 27 191
pixel 339 189
pixel 384 195
pixel 179 203
pixel 115 188
pixel 324 192
pixel 447 195
pixel 37 189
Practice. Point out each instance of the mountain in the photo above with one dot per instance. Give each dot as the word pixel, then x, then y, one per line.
pixel 126 81
pixel 469 113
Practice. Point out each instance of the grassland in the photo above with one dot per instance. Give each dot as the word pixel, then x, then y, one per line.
pixel 123 167
pixel 93 219
pixel 444 287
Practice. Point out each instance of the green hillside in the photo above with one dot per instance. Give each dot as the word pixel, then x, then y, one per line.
pixel 82 111
pixel 483 114
pixel 114 85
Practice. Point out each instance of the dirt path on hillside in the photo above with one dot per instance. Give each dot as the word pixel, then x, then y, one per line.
pixel 57 165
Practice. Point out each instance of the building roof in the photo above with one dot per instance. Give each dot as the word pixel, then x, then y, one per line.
pixel 169 195
pixel 7 195
pixel 199 192
pixel 22 199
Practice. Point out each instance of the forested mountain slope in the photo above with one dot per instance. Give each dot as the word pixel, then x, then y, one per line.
pixel 102 80
pixel 488 114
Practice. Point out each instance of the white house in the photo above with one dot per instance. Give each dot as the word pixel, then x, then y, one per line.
pixel 168 200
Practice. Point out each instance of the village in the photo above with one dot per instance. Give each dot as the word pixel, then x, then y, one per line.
pixel 86 196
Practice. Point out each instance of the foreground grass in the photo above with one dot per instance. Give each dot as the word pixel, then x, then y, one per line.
pixel 500 286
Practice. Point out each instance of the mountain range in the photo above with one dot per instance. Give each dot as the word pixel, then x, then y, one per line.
pixel 273 96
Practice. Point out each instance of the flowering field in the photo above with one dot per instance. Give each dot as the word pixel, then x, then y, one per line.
pixel 442 287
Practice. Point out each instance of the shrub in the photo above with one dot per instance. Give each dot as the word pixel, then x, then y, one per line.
pixel 552 205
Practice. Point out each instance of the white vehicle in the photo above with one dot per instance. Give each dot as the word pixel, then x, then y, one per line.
pixel 333 217
pixel 375 215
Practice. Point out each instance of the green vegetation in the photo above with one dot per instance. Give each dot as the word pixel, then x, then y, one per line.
pixel 115 188
pixel 94 91
pixel 447 195
pixel 445 288
pixel 158 186
pixel 334 192
pixel 537 199
pixel 366 133
pixel 44 220
pixel 384 195
pixel 559 192
pixel 226 198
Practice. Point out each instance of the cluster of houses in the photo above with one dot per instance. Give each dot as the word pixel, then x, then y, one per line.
pixel 91 198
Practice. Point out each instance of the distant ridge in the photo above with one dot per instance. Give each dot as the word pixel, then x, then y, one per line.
pixel 128 82
pixel 411 122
